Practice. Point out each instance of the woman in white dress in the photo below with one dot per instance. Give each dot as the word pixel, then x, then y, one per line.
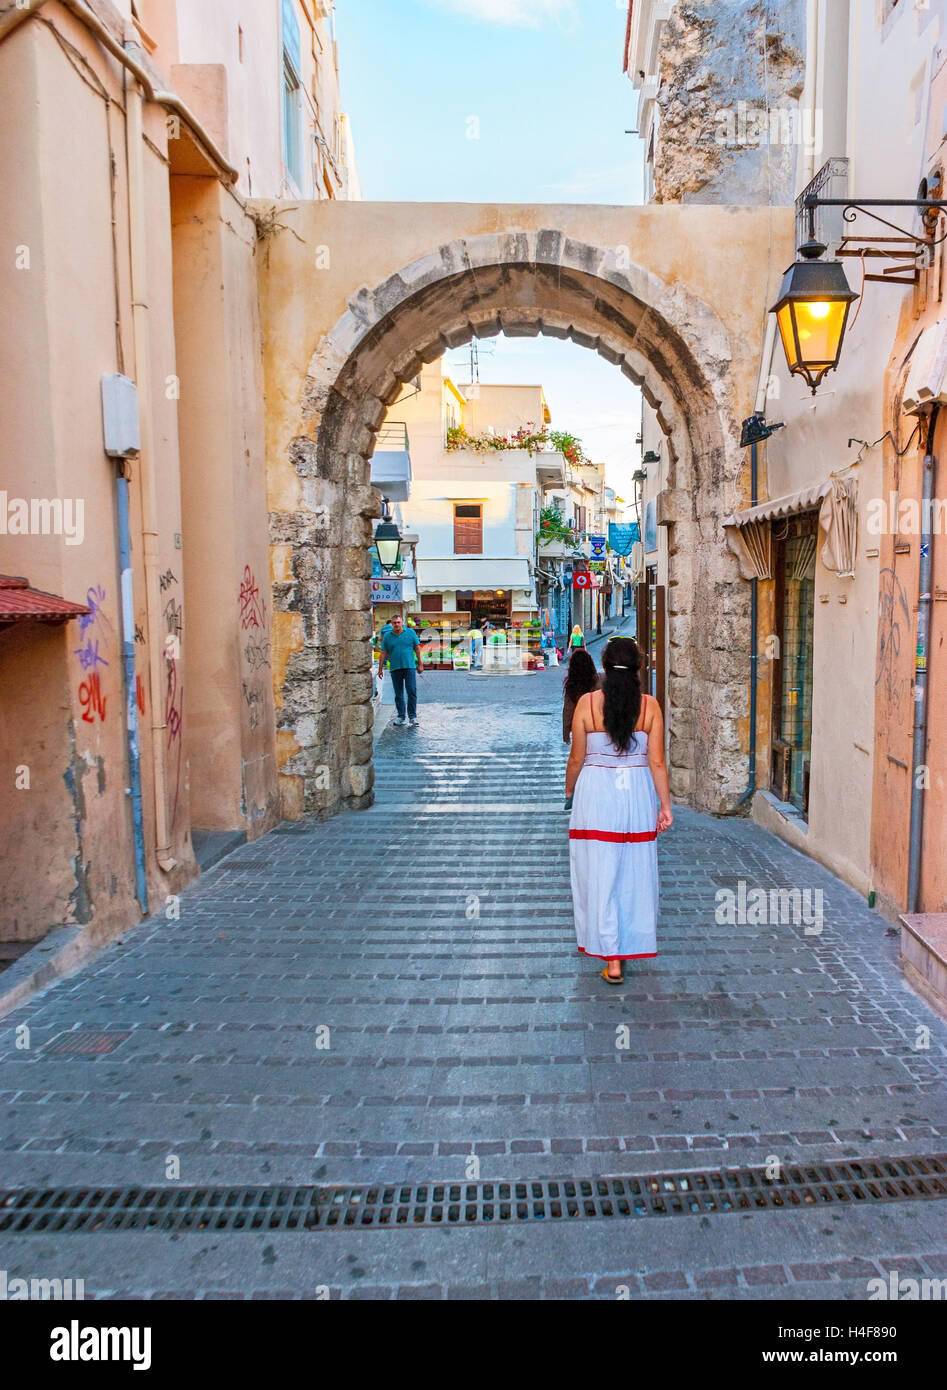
pixel 617 777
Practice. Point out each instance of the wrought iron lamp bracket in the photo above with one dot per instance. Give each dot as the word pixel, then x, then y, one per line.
pixel 906 243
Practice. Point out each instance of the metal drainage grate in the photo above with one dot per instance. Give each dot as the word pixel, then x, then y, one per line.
pixel 860 1182
pixel 81 1043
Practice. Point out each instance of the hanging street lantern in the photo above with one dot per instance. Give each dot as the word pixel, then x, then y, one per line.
pixel 387 539
pixel 812 311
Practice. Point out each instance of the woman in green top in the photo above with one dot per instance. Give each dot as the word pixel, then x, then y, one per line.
pixel 576 639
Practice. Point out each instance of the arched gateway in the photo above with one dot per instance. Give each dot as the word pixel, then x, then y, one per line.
pixel 356 296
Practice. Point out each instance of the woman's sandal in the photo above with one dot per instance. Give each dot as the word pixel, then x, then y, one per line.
pixel 613 979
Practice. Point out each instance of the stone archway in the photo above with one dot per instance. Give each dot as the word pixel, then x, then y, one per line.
pixel 659 334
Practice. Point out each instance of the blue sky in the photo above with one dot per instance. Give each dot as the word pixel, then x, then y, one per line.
pixel 540 87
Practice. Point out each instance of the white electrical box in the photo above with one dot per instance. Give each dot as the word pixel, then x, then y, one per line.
pixel 926 383
pixel 120 416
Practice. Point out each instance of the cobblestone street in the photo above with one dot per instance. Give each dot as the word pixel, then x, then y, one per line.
pixel 432 936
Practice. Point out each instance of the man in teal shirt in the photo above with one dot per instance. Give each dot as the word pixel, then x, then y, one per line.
pixel 402 648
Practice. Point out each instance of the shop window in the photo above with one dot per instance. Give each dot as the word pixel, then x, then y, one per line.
pixel 795 546
pixel 468 528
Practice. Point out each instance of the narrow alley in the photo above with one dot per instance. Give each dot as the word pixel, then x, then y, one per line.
pixel 393 997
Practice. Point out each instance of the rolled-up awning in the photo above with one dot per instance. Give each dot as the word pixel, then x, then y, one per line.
pixel 473 572
pixel 749 533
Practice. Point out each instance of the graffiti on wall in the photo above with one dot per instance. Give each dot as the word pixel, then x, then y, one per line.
pixel 253 700
pixel 91 698
pixel 252 604
pixel 95 631
pixel 174 686
pixel 252 610
pixel 894 630
pixel 257 654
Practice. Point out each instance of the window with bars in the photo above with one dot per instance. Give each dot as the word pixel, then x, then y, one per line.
pixel 468 528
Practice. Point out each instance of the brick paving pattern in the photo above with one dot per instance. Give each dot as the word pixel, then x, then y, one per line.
pixel 386 995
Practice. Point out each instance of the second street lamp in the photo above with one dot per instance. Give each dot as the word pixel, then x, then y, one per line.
pixel 387 539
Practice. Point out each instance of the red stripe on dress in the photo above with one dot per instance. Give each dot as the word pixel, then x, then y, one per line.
pixel 614 836
pixel 643 955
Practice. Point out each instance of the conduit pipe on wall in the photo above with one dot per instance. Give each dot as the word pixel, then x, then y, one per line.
pixel 766 365
pixel 148 487
pixel 13 18
pixel 754 643
pixel 921 676
pixel 131 693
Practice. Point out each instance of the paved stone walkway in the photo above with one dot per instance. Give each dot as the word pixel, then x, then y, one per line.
pixel 432 936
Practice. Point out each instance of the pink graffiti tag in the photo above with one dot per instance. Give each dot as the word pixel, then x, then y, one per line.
pixel 252 606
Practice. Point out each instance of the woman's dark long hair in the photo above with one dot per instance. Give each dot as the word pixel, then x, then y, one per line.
pixel 622 690
pixel 581 677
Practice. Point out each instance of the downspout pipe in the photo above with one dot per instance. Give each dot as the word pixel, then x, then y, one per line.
pixel 754 640
pixel 137 237
pixel 131 693
pixel 924 586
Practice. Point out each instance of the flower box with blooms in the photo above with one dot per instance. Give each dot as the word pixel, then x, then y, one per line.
pixel 526 437
pixel 554 527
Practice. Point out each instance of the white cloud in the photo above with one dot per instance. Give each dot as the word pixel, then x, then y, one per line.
pixel 529 14
pixel 594 180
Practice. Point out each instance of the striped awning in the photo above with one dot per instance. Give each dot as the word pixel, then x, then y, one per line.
pixel 750 537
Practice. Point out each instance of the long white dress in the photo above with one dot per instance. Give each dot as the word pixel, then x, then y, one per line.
pixel 613 851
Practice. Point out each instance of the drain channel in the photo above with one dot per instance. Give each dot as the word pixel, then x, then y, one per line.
pixel 87 1209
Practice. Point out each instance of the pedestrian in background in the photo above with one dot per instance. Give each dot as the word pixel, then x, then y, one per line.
pixel 618 777
pixel 576 638
pixel 380 674
pixel 476 646
pixel 403 650
pixel 581 678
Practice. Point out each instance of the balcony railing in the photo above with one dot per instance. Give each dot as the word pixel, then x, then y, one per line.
pixel 392 437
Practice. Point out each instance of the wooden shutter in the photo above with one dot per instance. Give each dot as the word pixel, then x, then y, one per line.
pixel 468 529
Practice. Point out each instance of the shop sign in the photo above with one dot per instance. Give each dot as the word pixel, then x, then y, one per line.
pixel 386 590
pixel 597 544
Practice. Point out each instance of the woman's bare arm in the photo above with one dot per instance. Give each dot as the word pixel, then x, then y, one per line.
pixel 577 751
pixel 658 767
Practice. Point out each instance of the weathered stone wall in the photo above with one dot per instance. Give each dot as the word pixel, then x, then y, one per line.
pixel 731 75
